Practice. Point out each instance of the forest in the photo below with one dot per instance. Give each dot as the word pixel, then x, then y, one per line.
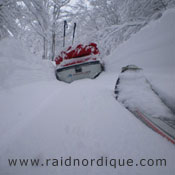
pixel 39 23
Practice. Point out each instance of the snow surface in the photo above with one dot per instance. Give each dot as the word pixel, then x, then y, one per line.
pixel 44 118
pixel 19 67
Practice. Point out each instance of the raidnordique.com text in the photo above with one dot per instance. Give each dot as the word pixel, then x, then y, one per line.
pixel 88 162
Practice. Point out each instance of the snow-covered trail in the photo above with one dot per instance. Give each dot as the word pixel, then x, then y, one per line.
pixel 82 120
pixel 42 118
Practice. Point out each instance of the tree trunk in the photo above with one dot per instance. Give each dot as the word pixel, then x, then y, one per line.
pixel 53 32
pixel 44 48
pixel 53 46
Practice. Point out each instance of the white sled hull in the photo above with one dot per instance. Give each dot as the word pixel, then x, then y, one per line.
pixel 75 72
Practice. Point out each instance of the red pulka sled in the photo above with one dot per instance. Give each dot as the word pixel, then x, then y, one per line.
pixel 83 61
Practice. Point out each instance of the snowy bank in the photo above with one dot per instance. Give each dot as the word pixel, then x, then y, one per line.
pixel 153 49
pixel 18 66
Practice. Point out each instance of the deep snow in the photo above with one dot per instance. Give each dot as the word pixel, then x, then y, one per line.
pixel 44 118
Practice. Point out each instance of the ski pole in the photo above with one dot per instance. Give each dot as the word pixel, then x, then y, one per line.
pixel 64 35
pixel 74 33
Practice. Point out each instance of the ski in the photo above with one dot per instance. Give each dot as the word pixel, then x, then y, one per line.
pixel 135 92
pixel 164 127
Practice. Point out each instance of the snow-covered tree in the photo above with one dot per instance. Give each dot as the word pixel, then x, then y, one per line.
pixel 56 10
pixel 110 22
pixel 108 9
pixel 8 15
pixel 42 17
